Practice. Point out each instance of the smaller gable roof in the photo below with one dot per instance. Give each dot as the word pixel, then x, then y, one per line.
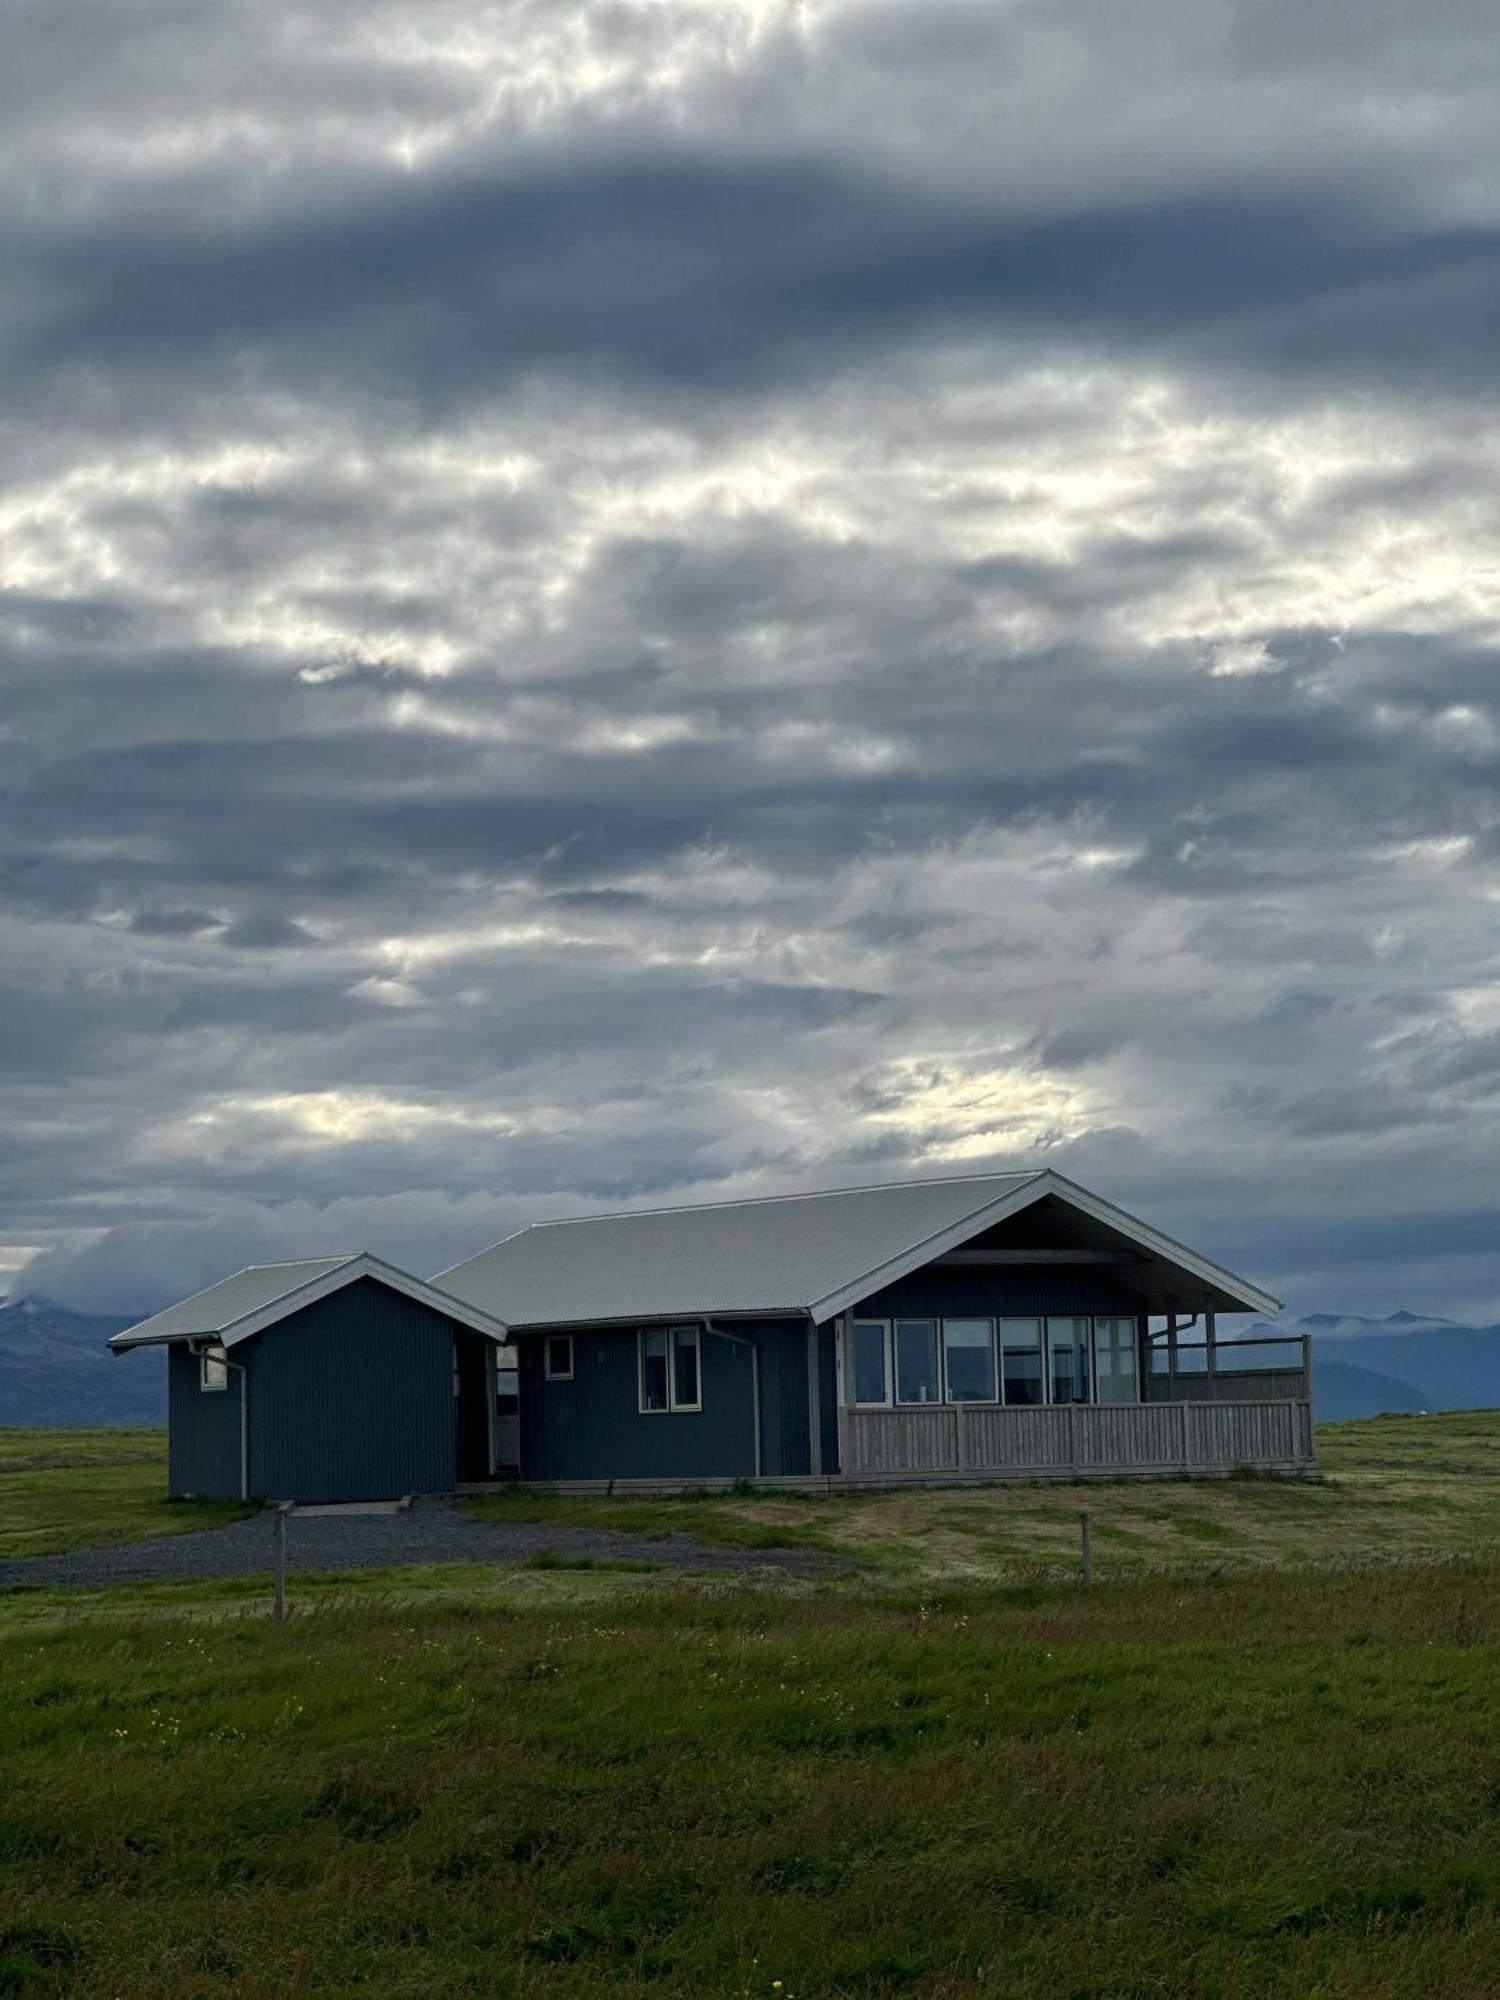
pixel 261 1294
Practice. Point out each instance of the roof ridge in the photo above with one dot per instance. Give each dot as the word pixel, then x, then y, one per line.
pixel 803 1194
pixel 281 1263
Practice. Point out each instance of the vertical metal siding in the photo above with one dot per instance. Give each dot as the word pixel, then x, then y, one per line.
pixel 203 1431
pixel 594 1428
pixel 352 1399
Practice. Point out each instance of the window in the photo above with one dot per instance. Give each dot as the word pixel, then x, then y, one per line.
pixel 1021 1360
pixel 969 1360
pixel 1114 1360
pixel 213 1369
pixel 686 1394
pixel 872 1361
pixel 1068 1360
pixel 917 1377
pixel 671 1377
pixel 557 1357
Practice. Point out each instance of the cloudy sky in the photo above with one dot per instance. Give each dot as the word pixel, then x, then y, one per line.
pixel 696 597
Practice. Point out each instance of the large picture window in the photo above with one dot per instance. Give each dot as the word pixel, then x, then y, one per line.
pixel 1115 1361
pixel 917 1376
pixel 872 1361
pixel 671 1375
pixel 1021 1361
pixel 969 1360
pixel 1069 1374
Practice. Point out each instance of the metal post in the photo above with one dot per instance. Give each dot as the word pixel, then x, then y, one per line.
pixel 280 1565
pixel 1086 1524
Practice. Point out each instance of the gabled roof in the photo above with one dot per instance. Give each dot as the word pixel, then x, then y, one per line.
pixel 814 1254
pixel 261 1294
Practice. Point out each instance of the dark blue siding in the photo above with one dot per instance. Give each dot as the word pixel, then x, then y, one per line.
pixel 352 1399
pixel 593 1427
pixel 203 1431
pixel 1018 1292
pixel 783 1395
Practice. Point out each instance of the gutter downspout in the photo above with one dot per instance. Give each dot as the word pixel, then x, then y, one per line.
pixel 200 1348
pixel 754 1346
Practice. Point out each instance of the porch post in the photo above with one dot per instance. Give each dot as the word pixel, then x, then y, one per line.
pixel 1211 1334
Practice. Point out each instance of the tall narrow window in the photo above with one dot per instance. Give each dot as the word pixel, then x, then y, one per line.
pixel 969 1360
pixel 213 1369
pixel 655 1388
pixel 686 1394
pixel 872 1380
pixel 917 1377
pixel 558 1357
pixel 1021 1360
pixel 1115 1361
pixel 1068 1360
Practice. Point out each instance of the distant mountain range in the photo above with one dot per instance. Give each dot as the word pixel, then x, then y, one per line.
pixel 54 1368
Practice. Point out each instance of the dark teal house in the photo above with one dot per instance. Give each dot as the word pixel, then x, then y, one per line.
pixel 986 1327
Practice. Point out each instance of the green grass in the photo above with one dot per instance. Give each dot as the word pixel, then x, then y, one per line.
pixel 1392 1487
pixel 1220 1786
pixel 68 1489
pixel 1209 1776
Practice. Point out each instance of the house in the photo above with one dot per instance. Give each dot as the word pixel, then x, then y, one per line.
pixel 985 1327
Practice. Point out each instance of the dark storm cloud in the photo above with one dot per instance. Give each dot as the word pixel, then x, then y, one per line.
pixel 609 603
pixel 685 269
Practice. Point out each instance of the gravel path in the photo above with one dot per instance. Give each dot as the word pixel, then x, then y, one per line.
pixel 430 1531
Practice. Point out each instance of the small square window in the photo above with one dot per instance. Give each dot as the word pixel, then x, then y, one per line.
pixel 558 1357
pixel 213 1369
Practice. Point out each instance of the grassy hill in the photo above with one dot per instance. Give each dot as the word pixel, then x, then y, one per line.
pixel 934 1780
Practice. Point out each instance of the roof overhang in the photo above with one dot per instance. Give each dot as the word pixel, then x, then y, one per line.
pixel 1227 1292
pixel 322 1287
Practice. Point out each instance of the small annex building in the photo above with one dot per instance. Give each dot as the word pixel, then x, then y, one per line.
pixel 976 1328
pixel 324 1379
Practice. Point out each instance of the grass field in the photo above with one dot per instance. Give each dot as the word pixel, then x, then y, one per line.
pixel 950 1773
pixel 88 1488
pixel 1392 1488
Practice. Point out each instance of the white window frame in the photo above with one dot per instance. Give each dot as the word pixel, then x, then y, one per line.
pixel 887 1401
pixel 673 1407
pixel 215 1358
pixel 935 1321
pixel 549 1373
pixel 972 1402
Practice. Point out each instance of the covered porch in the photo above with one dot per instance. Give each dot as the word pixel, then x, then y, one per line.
pixel 1061 1344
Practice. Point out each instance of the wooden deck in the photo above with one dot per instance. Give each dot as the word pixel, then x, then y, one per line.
pixel 1079 1441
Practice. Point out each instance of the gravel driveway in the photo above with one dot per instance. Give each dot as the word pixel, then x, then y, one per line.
pixel 429 1531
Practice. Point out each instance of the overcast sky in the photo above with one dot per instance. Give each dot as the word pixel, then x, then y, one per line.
pixel 662 601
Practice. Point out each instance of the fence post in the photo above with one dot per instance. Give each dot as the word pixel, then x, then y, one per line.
pixel 1086 1525
pixel 280 1564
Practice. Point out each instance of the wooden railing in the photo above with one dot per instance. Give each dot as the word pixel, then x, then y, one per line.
pixel 1264 1369
pixel 981 1440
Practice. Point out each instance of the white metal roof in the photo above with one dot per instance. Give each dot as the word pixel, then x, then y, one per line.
pixel 261 1294
pixel 813 1254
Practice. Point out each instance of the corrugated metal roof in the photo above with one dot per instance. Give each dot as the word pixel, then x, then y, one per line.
pixel 776 1254
pixel 256 1297
pixel 226 1303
